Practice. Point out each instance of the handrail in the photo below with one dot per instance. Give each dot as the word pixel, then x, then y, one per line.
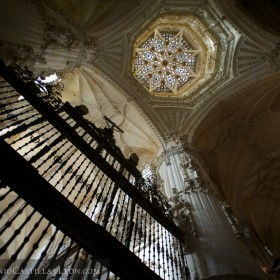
pixel 59 211
pixel 28 92
pixel 103 185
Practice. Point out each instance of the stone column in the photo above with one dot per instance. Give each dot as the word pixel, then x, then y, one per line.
pixel 213 249
pixel 42 39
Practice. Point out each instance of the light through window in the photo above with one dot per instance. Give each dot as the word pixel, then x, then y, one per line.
pixel 165 61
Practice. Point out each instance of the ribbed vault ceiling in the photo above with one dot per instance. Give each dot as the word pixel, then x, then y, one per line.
pixel 231 120
pixel 240 142
pixel 84 86
pixel 239 135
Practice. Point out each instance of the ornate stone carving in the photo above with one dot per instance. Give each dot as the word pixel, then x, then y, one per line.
pixel 240 230
pixel 182 211
pixel 233 221
pixel 58 36
pixel 168 162
pixel 174 135
pixel 13 54
pixel 193 180
pixel 91 53
pixel 244 233
pixel 222 33
pixel 165 61
pixel 248 56
pixel 69 36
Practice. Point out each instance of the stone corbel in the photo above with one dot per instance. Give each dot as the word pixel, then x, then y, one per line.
pixel 233 221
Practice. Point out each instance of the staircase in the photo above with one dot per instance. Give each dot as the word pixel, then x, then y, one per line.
pixel 72 206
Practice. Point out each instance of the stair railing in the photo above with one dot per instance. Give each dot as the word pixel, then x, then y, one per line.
pixel 73 157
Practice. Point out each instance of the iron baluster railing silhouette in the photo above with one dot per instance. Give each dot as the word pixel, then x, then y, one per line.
pixel 87 170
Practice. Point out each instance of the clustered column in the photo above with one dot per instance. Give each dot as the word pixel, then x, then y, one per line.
pixel 212 248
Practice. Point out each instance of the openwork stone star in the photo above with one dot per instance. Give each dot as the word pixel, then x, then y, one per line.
pixel 165 61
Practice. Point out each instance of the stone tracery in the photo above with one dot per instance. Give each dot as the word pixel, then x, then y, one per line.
pixel 165 61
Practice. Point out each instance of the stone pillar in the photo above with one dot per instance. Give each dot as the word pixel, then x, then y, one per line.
pixel 213 249
pixel 42 39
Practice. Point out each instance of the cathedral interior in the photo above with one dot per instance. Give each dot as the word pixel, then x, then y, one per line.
pixel 183 94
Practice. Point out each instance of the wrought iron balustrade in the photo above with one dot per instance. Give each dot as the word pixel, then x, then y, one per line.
pixel 45 252
pixel 72 155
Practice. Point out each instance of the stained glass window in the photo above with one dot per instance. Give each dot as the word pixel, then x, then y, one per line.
pixel 165 61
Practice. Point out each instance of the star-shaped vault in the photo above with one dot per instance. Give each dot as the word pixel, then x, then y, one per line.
pixel 165 61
